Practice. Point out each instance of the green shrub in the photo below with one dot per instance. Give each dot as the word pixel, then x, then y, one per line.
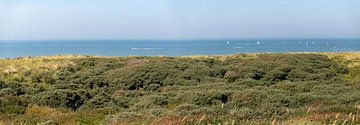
pixel 196 73
pixel 43 77
pixel 251 72
pixel 3 85
pixel 249 82
pixel 298 75
pixel 261 103
pixel 121 102
pixel 250 98
pixel 17 87
pixel 303 99
pixel 67 86
pixel 211 98
pixel 7 92
pixel 143 76
pixel 231 76
pixel 152 101
pixel 60 98
pixel 190 109
pixel 275 76
pixel 218 71
pixel 160 100
pixel 12 109
pixel 99 101
pixel 152 87
pixel 13 105
pixel 296 87
pixel 122 115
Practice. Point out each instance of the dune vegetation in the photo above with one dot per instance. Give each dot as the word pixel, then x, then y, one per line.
pixel 257 88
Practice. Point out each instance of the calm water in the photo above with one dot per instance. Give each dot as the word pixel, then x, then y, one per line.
pixel 173 47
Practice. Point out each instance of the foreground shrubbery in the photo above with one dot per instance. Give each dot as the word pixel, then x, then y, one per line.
pixel 235 89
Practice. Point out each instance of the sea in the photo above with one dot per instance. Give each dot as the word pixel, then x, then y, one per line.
pixel 12 49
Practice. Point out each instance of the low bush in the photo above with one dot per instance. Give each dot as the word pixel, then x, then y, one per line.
pixel 60 98
pixel 99 101
pixel 211 98
pixel 3 85
pixel 13 105
pixel 231 76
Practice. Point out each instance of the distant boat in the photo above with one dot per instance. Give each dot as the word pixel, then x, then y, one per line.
pixel 140 48
pixel 258 43
pixel 306 44
pixel 327 42
pixel 228 42
pixel 144 48
pixel 238 47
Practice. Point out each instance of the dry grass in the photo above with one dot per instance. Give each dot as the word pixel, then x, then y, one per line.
pixel 46 115
pixel 50 114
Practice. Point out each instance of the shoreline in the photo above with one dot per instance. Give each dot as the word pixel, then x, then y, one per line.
pixel 74 56
pixel 69 56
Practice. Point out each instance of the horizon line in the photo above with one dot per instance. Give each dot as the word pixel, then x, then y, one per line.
pixel 175 39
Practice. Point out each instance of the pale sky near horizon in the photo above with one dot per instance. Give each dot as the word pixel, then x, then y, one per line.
pixel 178 19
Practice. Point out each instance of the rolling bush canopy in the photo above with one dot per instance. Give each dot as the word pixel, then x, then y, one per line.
pixel 214 89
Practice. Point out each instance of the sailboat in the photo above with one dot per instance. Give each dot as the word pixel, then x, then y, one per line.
pixel 258 43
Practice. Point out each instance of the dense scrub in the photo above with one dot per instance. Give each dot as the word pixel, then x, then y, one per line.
pixel 233 89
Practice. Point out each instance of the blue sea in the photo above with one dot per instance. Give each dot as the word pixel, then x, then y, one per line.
pixel 172 47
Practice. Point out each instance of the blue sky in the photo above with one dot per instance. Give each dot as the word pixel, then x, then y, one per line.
pixel 178 19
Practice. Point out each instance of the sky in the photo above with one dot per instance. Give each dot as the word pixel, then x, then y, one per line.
pixel 178 19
